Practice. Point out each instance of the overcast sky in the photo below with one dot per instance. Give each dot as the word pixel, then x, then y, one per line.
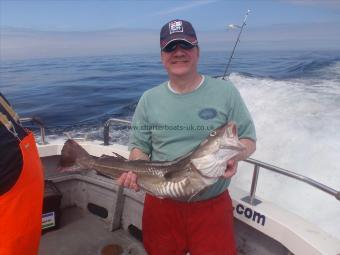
pixel 48 28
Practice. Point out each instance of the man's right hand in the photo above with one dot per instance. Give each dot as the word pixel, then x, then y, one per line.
pixel 129 180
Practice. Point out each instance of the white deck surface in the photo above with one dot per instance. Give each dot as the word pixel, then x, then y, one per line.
pixel 82 233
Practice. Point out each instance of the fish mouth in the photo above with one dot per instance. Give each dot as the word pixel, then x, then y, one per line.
pixel 229 139
pixel 232 144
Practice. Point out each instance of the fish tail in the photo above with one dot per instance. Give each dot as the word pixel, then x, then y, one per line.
pixel 74 157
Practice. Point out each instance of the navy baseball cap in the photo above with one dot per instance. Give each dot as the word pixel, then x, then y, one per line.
pixel 177 30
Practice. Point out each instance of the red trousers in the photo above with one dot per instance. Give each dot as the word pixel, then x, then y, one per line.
pixel 201 228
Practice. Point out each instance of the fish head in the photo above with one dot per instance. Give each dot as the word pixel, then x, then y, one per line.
pixel 212 155
pixel 228 137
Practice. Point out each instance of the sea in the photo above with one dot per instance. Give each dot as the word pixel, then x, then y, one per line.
pixel 293 97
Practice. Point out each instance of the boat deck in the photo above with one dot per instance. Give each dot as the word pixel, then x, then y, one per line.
pixel 82 233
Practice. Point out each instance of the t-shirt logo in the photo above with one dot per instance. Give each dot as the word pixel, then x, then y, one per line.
pixel 207 113
pixel 175 27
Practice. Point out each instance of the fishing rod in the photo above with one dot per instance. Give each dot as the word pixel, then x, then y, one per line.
pixel 232 26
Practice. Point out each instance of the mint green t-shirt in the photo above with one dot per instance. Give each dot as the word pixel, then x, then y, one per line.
pixel 167 125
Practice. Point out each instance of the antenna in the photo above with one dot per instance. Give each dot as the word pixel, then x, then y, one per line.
pixel 232 26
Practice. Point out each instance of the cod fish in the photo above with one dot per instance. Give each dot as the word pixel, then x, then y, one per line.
pixel 181 179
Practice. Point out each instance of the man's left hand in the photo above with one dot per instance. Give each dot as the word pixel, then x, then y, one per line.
pixel 231 168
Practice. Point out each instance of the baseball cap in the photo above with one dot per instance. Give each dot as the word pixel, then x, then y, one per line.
pixel 177 30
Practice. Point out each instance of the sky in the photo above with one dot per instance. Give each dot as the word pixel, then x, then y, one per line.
pixel 62 28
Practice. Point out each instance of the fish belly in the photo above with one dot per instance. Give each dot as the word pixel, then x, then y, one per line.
pixel 183 189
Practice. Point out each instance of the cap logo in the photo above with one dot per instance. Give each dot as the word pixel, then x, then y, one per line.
pixel 175 26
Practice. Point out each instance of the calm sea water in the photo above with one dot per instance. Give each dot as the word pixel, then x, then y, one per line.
pixel 294 98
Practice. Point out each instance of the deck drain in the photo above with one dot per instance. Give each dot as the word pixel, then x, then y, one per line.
pixel 97 210
pixel 135 232
pixel 112 249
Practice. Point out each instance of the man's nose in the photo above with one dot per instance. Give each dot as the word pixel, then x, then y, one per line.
pixel 178 50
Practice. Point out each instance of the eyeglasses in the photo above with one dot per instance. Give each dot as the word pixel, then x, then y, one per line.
pixel 182 44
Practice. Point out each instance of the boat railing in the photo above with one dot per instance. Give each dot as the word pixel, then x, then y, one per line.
pixel 257 166
pixel 109 123
pixel 39 123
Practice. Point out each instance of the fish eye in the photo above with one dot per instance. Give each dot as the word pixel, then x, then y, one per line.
pixel 213 133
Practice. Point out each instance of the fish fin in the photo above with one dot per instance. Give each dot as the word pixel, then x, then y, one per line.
pixel 118 156
pixel 176 173
pixel 199 179
pixel 74 168
pixel 112 176
pixel 115 156
pixel 73 156
pixel 193 196
pixel 108 160
pixel 105 156
pixel 177 170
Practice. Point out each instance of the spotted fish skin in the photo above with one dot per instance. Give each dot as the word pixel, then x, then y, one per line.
pixel 181 179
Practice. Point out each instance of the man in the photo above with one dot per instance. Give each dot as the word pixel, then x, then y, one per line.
pixel 171 120
pixel 21 186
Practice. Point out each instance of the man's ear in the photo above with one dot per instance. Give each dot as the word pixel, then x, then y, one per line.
pixel 162 56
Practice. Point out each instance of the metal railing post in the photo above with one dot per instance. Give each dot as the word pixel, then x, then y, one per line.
pixel 254 183
pixel 108 123
pixel 106 134
pixel 40 123
pixel 251 198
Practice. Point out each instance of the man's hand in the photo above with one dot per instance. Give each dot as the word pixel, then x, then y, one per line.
pixel 129 180
pixel 231 168
pixel 232 163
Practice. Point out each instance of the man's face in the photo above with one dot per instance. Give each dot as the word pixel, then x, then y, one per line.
pixel 181 62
